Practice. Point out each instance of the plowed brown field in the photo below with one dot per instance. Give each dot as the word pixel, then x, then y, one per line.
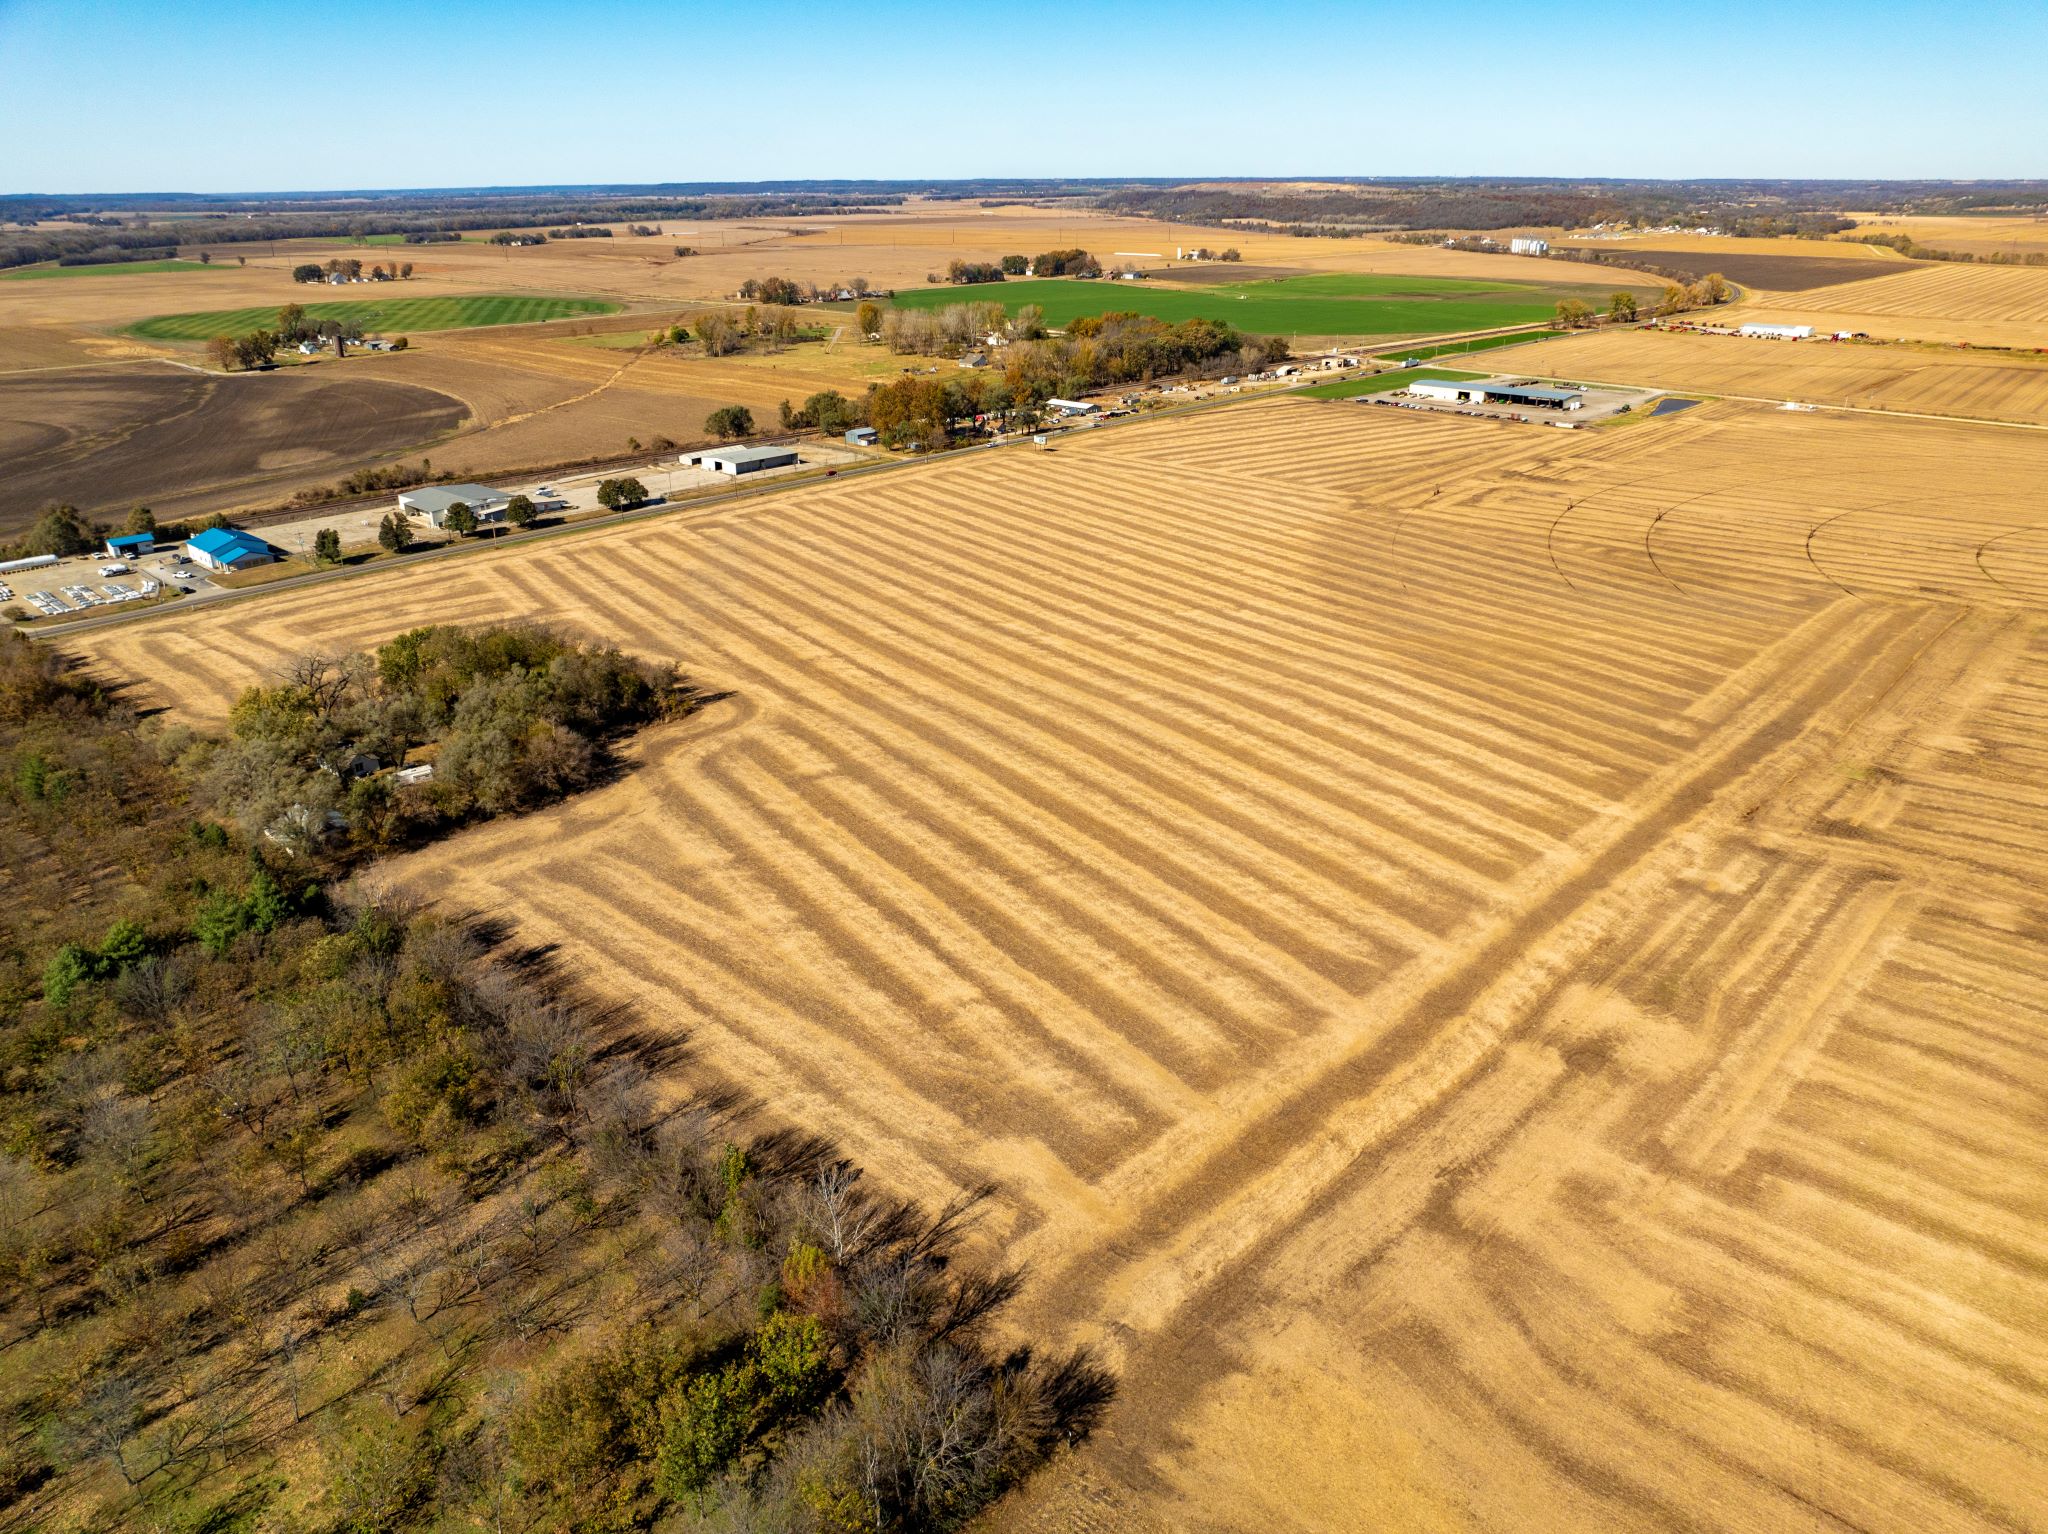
pixel 1501 973
pixel 1994 386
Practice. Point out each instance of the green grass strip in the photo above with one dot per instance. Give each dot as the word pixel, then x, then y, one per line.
pixel 111 268
pixel 393 313
pixel 1381 383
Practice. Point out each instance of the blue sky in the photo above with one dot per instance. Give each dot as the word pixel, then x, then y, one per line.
pixel 237 95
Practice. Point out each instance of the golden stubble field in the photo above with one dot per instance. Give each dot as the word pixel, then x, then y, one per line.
pixel 1981 234
pixel 1922 301
pixel 1500 973
pixel 1980 385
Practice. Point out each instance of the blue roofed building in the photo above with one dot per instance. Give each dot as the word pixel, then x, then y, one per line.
pixel 223 548
pixel 131 545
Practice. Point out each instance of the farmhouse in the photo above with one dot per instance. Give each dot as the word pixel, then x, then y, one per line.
pixel 131 546
pixel 223 548
pixel 1495 392
pixel 742 460
pixel 434 502
pixel 1776 332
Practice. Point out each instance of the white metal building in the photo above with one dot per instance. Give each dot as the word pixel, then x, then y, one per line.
pixel 1459 391
pixel 742 460
pixel 1071 406
pixel 1526 246
pixel 1776 332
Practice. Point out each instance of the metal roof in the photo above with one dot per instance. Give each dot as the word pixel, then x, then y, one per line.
pixel 436 498
pixel 129 540
pixel 1531 393
pixel 750 454
pixel 225 543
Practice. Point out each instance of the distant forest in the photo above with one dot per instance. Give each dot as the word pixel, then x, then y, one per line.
pixel 1808 208
pixel 148 226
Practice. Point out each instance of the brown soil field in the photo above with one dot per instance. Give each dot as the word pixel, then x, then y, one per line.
pixel 1991 386
pixel 1500 973
pixel 185 441
pixel 1785 273
pixel 1925 301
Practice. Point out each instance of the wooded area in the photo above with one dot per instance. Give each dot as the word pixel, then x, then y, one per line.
pixel 347 1213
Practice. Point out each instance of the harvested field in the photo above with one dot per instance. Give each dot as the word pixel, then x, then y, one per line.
pixel 1987 234
pixel 1940 381
pixel 1925 301
pixel 185 441
pixel 1500 973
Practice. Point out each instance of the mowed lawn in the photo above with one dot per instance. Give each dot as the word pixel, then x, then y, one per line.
pixel 377 314
pixel 1339 304
pixel 111 268
pixel 1381 383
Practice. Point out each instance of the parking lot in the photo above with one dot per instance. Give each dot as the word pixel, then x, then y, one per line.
pixel 83 582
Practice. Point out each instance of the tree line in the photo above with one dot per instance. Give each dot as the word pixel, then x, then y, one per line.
pixel 324 1209
pixel 142 236
pixel 351 267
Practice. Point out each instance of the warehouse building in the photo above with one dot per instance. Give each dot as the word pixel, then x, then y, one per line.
pixel 742 460
pixel 1522 246
pixel 433 503
pixel 863 436
pixel 223 548
pixel 1776 332
pixel 1488 391
pixel 131 546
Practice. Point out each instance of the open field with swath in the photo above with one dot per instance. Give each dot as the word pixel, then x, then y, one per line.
pixel 1939 380
pixel 1924 301
pixel 1500 973
pixel 1981 234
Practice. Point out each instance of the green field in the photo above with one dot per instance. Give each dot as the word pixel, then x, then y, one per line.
pixel 109 268
pixel 1381 383
pixel 377 314
pixel 1339 304
pixel 1476 344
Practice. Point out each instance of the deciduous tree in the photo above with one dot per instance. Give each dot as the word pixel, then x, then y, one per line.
pixel 730 421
